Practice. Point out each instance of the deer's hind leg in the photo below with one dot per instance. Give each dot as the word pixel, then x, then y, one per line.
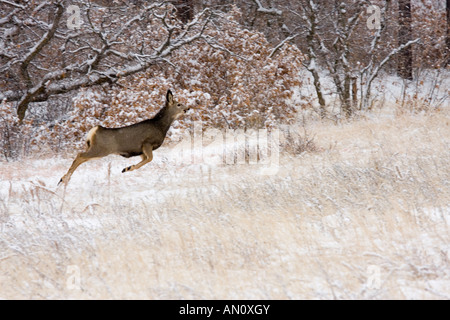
pixel 147 157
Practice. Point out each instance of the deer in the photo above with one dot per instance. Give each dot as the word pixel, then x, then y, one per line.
pixel 139 139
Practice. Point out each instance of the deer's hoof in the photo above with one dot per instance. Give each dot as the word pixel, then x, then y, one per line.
pixel 126 170
pixel 63 181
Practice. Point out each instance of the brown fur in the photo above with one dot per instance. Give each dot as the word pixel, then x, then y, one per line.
pixel 139 139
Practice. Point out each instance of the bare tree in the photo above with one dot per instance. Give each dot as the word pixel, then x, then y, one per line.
pixel 47 49
pixel 329 31
pixel 309 14
pixel 335 36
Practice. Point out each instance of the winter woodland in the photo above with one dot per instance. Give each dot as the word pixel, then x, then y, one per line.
pixel 356 92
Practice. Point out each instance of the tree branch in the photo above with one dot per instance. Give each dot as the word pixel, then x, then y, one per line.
pixel 99 53
pixel 282 43
pixel 13 4
pixel 38 47
pixel 262 9
pixel 365 102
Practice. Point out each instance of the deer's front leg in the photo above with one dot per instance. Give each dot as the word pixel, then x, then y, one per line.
pixel 147 157
pixel 76 163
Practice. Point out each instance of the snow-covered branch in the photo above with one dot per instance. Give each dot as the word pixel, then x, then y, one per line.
pixel 282 43
pixel 54 60
pixel 13 4
pixel 376 69
pixel 35 50
pixel 263 9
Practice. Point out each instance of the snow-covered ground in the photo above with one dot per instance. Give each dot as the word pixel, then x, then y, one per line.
pixel 366 216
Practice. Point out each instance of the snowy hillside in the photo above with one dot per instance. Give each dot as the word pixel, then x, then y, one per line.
pixel 364 217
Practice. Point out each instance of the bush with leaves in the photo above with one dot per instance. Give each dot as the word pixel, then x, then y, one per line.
pixel 248 86
pixel 236 80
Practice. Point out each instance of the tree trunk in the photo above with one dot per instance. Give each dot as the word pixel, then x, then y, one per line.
pixel 311 40
pixel 185 10
pixel 318 89
pixel 405 59
pixel 447 50
pixel 355 92
pixel 347 102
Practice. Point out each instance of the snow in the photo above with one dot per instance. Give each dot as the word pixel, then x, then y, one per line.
pixel 327 225
pixel 387 90
pixel 267 10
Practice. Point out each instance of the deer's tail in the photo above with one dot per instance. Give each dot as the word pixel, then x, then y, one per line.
pixel 91 135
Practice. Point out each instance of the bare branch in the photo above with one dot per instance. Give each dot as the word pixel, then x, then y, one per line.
pixel 262 9
pixel 38 47
pixel 282 43
pixel 13 4
pixel 59 61
pixel 374 74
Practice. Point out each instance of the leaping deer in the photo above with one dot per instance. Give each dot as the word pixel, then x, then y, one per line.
pixel 139 139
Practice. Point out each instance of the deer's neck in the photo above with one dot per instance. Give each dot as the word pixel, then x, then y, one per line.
pixel 164 119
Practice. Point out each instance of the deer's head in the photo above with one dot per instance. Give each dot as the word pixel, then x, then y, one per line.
pixel 175 108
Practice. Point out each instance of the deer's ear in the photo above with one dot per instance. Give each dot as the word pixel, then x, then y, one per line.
pixel 169 96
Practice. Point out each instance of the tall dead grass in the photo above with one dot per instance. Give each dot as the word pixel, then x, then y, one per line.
pixel 366 216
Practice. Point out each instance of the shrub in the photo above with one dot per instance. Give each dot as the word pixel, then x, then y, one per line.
pixel 231 79
pixel 233 83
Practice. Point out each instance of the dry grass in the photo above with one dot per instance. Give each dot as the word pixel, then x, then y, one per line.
pixel 366 216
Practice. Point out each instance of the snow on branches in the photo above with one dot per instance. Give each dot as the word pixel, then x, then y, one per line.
pixel 228 78
pixel 47 58
pixel 228 74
